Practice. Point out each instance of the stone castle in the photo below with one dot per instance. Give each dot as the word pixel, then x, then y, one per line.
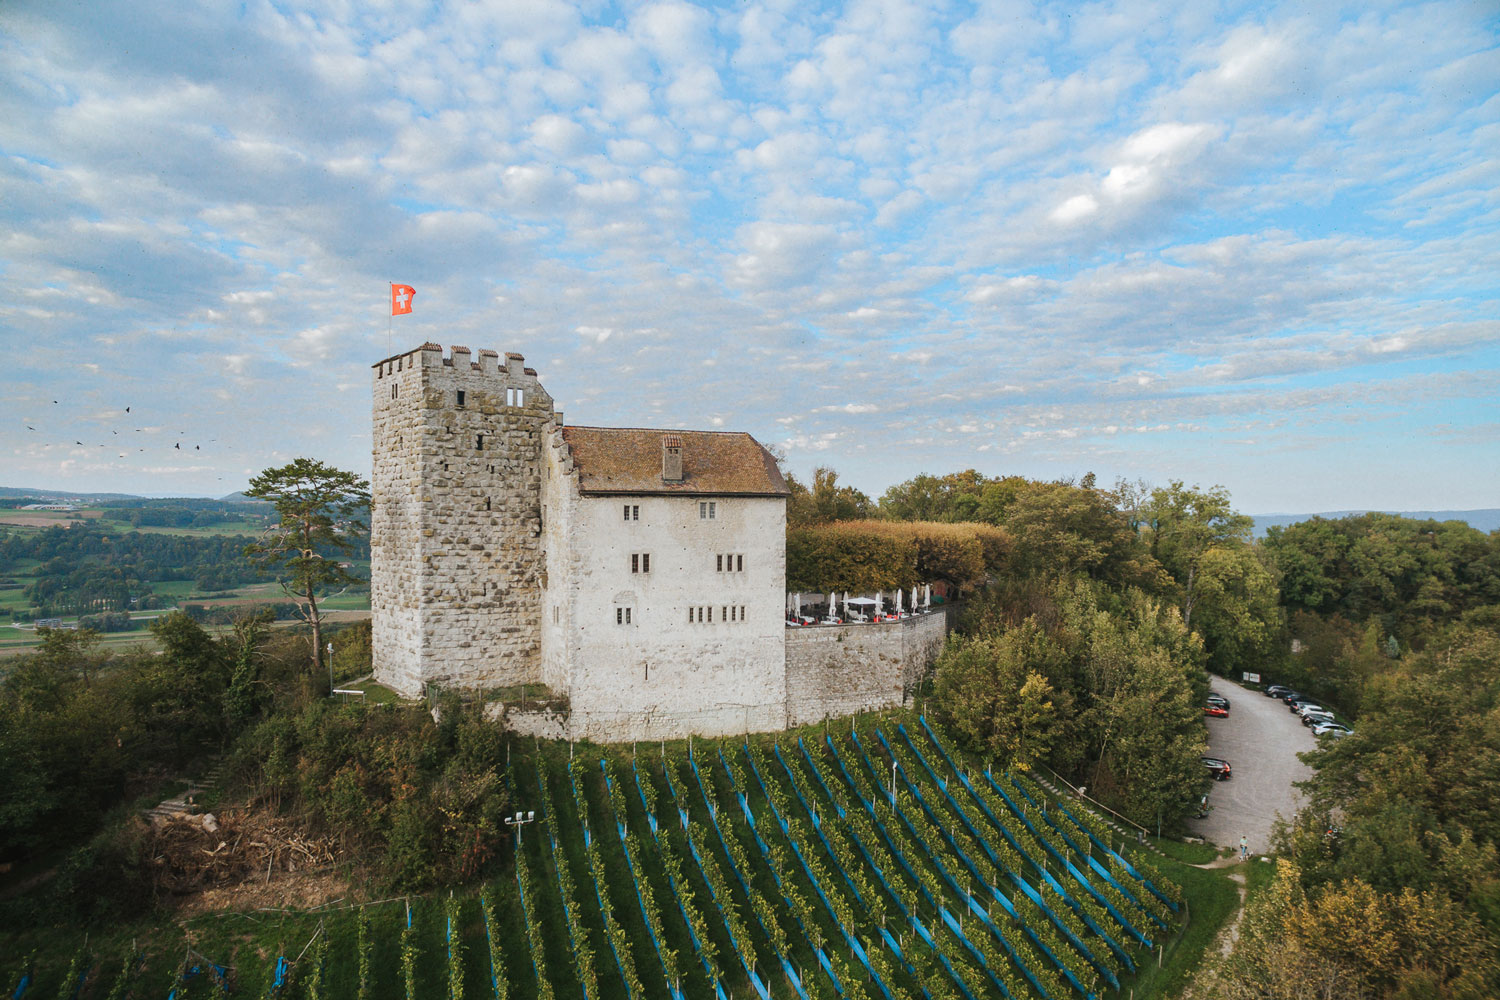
pixel 638 574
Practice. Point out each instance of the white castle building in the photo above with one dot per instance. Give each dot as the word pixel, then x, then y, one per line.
pixel 638 574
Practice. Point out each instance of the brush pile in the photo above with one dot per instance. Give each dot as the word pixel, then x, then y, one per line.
pixel 192 853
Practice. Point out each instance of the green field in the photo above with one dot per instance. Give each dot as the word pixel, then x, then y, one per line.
pixel 832 882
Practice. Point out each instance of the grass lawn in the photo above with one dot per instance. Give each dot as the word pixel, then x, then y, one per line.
pixel 1212 899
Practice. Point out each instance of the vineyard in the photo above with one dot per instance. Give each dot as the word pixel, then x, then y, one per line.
pixel 868 862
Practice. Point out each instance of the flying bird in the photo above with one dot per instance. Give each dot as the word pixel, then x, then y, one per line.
pixel 127 409
pixel 196 448
pixel 178 446
pixel 30 428
pixel 78 442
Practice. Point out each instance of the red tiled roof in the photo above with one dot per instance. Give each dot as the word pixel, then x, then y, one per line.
pixel 628 460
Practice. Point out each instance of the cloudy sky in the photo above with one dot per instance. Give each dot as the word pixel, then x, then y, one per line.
pixel 1249 245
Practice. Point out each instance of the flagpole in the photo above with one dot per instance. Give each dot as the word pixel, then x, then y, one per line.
pixel 388 315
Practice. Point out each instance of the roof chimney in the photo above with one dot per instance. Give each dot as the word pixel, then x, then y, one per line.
pixel 671 458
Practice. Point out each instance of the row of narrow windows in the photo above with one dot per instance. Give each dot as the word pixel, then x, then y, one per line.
pixel 724 562
pixel 698 614
pixel 703 614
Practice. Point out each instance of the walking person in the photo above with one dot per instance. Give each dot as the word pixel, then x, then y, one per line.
pixel 1244 847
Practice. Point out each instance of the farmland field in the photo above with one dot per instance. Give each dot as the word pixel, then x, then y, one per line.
pixel 763 868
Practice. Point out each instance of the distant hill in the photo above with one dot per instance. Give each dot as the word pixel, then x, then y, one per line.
pixel 1486 520
pixel 25 492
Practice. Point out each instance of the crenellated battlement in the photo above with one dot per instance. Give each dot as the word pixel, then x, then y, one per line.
pixel 458 360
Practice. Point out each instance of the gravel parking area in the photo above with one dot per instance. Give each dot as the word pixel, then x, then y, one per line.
pixel 1261 740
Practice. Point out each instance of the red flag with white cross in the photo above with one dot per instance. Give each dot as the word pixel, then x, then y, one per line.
pixel 401 296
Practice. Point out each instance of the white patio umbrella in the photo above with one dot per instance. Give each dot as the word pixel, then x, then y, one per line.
pixel 927 597
pixel 898 602
pixel 797 601
pixel 914 597
pixel 846 605
pixel 879 603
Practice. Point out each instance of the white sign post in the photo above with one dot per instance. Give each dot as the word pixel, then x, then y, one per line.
pixel 1251 678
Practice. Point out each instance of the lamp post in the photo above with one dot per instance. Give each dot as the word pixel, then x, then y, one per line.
pixel 519 820
pixel 893 783
pixel 330 670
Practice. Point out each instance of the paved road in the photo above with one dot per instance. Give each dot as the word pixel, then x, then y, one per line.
pixel 1261 740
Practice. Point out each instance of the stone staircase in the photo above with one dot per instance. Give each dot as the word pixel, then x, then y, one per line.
pixel 183 804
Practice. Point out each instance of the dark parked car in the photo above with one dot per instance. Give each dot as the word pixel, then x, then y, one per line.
pixel 1316 718
pixel 1218 767
pixel 1214 698
pixel 1297 705
pixel 1292 696
pixel 1277 690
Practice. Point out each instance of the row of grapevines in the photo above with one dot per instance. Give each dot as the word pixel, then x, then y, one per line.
pixel 534 935
pixel 618 939
pixel 649 908
pixel 583 955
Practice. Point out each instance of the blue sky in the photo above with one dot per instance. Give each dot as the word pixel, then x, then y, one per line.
pixel 1256 246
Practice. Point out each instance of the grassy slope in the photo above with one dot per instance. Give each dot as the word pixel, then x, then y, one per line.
pixel 251 941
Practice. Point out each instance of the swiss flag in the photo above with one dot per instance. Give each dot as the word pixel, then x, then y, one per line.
pixel 401 296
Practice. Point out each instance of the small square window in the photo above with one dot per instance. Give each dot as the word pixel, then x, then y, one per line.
pixel 622 616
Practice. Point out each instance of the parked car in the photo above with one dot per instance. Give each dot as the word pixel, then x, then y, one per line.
pixel 1277 690
pixel 1215 698
pixel 1296 707
pixel 1308 706
pixel 1335 729
pixel 1218 767
pixel 1291 696
pixel 1315 718
pixel 1217 711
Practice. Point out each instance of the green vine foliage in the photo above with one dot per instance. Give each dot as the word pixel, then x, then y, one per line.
pixel 454 912
pixel 409 960
pixel 497 960
pixel 317 959
pixel 121 987
pixel 366 949
pixel 70 978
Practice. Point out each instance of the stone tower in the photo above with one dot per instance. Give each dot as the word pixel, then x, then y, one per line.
pixel 456 558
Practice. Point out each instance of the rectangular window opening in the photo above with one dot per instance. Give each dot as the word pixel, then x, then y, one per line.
pixel 635 562
pixel 719 563
pixel 742 612
pixel 645 562
pixel 627 512
pixel 635 512
pixel 460 397
pixel 739 563
pixel 712 507
pixel 479 442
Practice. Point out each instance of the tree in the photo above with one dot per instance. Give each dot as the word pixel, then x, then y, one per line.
pixel 1185 525
pixel 825 501
pixel 320 511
